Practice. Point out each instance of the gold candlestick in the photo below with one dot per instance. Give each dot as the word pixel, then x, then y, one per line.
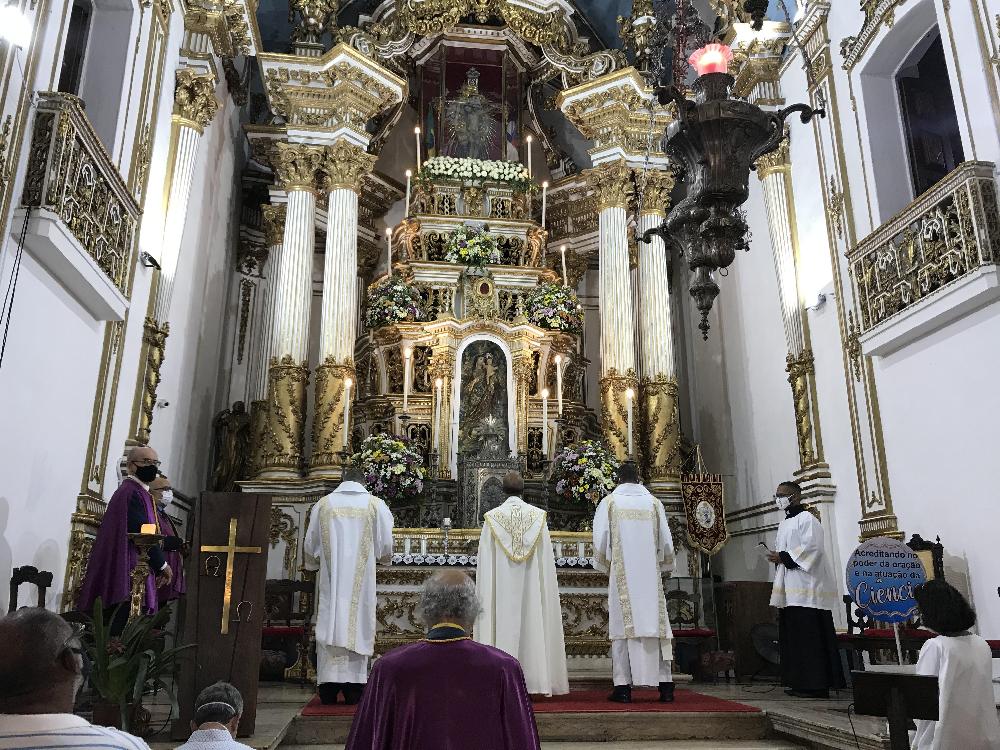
pixel 140 573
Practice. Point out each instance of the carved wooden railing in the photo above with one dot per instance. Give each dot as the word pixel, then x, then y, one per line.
pixel 571 214
pixel 71 175
pixel 947 233
pixel 483 200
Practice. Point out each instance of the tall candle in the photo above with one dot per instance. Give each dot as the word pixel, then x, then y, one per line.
pixel 545 191
pixel 407 352
pixel 406 206
pixel 528 141
pixel 559 382
pixel 545 422
pixel 562 251
pixel 416 137
pixel 438 384
pixel 347 409
pixel 388 252
pixel 629 395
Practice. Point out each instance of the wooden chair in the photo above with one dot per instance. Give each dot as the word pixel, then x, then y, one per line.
pixel 682 611
pixel 284 618
pixel 42 579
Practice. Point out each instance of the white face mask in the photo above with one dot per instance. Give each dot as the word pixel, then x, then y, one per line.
pixel 782 502
pixel 167 498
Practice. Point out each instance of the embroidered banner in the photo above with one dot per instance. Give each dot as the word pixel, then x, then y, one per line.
pixel 705 511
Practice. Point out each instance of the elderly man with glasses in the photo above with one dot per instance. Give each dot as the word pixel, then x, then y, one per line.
pixel 41 669
pixel 113 555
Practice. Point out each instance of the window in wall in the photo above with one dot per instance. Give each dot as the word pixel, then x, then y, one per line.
pixel 76 48
pixel 930 123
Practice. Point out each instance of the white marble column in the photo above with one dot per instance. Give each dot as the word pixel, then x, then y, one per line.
pixel 612 184
pixel 345 166
pixel 274 236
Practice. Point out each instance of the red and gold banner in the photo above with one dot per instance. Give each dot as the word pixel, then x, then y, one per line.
pixel 705 511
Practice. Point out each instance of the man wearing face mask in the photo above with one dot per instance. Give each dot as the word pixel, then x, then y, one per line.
pixel 173 546
pixel 41 669
pixel 113 555
pixel 804 593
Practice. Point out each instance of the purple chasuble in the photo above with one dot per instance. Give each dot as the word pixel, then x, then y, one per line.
pixel 113 555
pixel 176 562
pixel 445 695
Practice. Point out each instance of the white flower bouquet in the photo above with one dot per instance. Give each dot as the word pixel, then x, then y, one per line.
pixel 393 470
pixel 476 170
pixel 472 248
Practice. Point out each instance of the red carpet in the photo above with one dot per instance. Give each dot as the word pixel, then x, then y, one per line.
pixel 590 701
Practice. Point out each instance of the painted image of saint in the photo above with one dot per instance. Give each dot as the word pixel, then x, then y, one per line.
pixel 483 396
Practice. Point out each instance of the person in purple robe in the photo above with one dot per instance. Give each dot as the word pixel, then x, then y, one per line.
pixel 113 555
pixel 163 497
pixel 446 692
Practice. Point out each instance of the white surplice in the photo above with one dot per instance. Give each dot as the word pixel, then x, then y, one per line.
pixel 967 715
pixel 812 583
pixel 349 531
pixel 632 543
pixel 516 582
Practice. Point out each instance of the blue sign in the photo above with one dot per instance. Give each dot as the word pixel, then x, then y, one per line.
pixel 881 576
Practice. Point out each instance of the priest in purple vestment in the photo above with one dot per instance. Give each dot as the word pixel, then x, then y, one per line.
pixel 446 692
pixel 113 555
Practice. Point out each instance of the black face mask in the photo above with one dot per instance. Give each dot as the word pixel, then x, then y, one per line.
pixel 146 474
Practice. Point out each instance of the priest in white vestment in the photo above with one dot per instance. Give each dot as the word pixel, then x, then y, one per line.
pixel 516 583
pixel 349 531
pixel 632 543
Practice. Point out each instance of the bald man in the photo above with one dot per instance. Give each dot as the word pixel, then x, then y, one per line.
pixel 41 670
pixel 114 556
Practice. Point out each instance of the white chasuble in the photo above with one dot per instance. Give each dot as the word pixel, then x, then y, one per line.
pixel 811 584
pixel 349 531
pixel 632 543
pixel 516 582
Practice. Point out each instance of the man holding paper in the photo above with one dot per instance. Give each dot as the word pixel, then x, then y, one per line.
pixel 804 593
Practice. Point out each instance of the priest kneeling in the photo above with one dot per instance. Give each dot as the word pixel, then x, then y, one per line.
pixel 632 543
pixel 349 531
pixel 516 582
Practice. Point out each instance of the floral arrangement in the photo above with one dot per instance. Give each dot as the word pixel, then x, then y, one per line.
pixel 585 472
pixel 392 300
pixel 393 469
pixel 555 307
pixel 471 247
pixel 455 168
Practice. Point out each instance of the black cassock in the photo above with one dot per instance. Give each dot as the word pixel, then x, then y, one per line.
pixel 810 656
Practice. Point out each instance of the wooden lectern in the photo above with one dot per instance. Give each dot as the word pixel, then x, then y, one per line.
pixel 226 573
pixel 898 697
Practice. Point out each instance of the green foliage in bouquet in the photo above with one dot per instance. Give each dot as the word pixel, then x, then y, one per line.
pixel 511 173
pixel 555 307
pixel 472 248
pixel 392 300
pixel 393 470
pixel 585 472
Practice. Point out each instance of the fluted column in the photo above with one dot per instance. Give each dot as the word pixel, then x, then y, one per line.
pixel 524 368
pixel 274 235
pixel 442 366
pixel 296 167
pixel 612 184
pixel 195 106
pixel 774 171
pixel 345 165
pixel 658 382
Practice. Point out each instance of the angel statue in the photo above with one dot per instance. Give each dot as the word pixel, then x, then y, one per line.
pixel 230 447
pixel 471 121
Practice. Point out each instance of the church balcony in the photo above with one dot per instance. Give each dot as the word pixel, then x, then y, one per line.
pixel 931 264
pixel 81 217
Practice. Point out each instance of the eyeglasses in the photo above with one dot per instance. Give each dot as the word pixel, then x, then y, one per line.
pixel 147 462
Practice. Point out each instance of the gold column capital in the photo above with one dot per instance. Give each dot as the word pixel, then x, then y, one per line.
pixel 611 183
pixel 274 224
pixel 655 187
pixel 194 98
pixel 775 161
pixel 297 166
pixel 345 165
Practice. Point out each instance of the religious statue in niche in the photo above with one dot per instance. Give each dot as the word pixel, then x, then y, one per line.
pixel 230 447
pixel 483 411
pixel 471 121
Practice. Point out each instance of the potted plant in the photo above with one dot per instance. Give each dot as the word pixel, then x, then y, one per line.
pixel 125 665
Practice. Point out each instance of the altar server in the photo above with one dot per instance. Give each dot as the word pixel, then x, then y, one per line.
pixel 516 582
pixel 349 531
pixel 962 662
pixel 632 543
pixel 804 593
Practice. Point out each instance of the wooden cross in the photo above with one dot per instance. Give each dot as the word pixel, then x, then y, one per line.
pixel 230 550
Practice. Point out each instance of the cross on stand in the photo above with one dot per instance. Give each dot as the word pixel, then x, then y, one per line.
pixel 230 550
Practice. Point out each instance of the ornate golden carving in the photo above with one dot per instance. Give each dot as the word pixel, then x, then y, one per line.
pixel 877 13
pixel 328 421
pixel 662 431
pixel 297 166
pixel 4 145
pixel 950 231
pixel 274 224
pixel 345 166
pixel 315 16
pixel 835 208
pixel 800 371
pixel 70 173
pixel 853 345
pixel 194 98
pixel 775 161
pixel 286 412
pixel 258 436
pixel 154 340
pixel 283 529
pixel 614 411
pixel 611 183
pixel 655 187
